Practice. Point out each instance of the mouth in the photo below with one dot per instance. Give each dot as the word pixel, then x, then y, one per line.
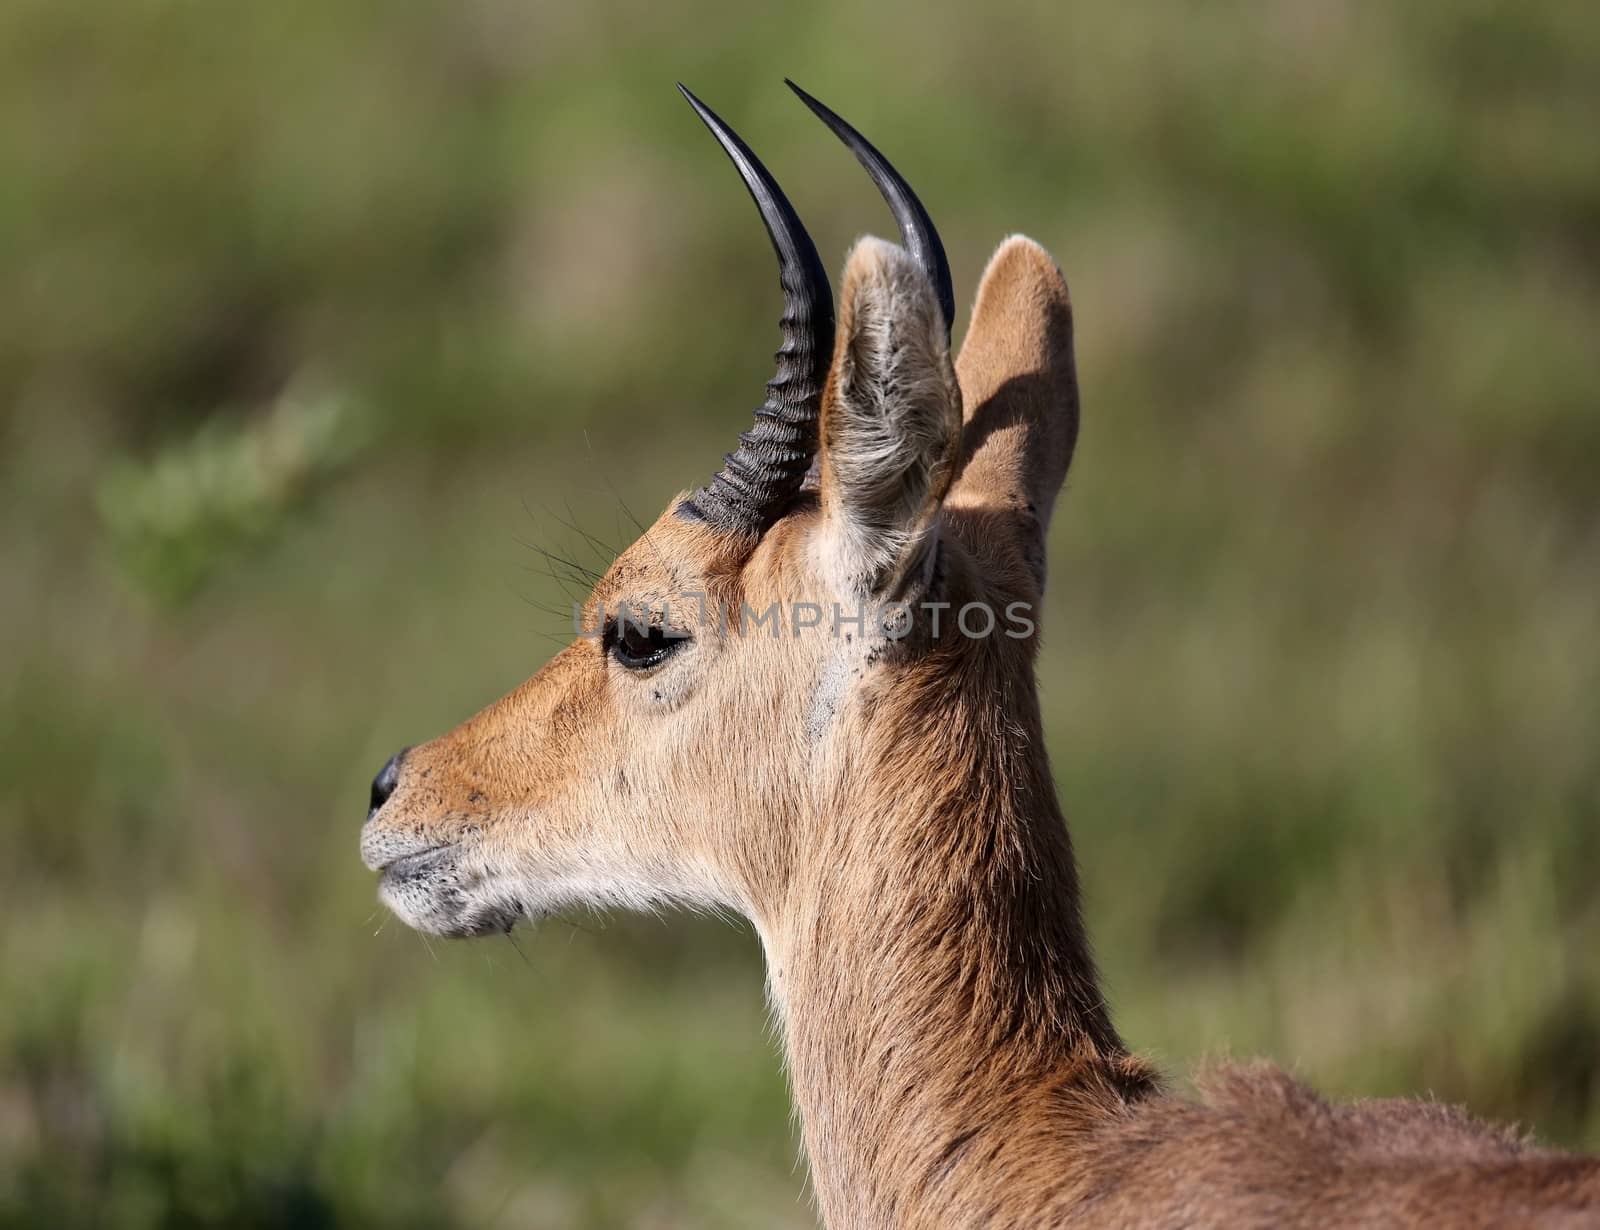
pixel 429 889
pixel 401 865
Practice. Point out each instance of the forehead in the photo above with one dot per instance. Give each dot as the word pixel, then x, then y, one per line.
pixel 674 556
pixel 678 556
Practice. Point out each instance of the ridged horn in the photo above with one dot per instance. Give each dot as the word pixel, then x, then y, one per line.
pixel 917 232
pixel 760 478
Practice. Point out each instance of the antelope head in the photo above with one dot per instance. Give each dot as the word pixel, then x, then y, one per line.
pixel 813 668
pixel 808 696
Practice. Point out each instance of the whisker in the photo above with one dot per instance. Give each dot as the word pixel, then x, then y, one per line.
pixel 577 926
pixel 543 608
pixel 517 948
pixel 623 504
pixel 569 573
pixel 599 544
pixel 534 969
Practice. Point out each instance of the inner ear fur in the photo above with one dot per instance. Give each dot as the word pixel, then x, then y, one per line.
pixel 891 420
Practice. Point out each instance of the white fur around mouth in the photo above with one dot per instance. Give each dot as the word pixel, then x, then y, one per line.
pixel 428 889
pixel 416 860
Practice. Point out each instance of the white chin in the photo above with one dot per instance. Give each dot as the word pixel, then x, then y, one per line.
pixel 449 911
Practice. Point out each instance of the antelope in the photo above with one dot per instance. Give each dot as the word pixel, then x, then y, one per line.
pixel 871 791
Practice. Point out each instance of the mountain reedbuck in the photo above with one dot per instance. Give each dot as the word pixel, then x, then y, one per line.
pixel 807 694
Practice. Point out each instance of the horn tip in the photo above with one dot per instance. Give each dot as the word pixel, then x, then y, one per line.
pixel 818 108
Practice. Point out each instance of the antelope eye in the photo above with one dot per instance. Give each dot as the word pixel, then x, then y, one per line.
pixel 639 648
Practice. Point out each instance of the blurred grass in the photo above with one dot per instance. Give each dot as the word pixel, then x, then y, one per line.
pixel 315 315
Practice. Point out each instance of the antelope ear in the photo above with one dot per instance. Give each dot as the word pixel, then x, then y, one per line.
pixel 1021 390
pixel 891 422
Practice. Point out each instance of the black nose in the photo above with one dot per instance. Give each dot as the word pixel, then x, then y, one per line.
pixel 388 778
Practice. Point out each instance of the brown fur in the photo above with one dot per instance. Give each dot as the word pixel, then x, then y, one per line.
pixel 883 811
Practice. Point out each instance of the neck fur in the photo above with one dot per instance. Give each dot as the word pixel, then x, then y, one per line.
pixel 942 1015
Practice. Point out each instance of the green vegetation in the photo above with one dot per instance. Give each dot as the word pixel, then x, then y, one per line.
pixel 314 316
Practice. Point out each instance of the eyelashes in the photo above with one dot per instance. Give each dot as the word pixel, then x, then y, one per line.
pixel 637 647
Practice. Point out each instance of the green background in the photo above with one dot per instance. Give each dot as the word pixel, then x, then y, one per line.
pixel 321 323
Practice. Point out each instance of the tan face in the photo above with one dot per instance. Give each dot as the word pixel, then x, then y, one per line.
pixel 639 768
pixel 621 773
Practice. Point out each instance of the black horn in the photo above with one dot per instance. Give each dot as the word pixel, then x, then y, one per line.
pixel 760 477
pixel 916 228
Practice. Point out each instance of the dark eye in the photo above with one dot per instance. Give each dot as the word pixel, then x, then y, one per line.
pixel 639 648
